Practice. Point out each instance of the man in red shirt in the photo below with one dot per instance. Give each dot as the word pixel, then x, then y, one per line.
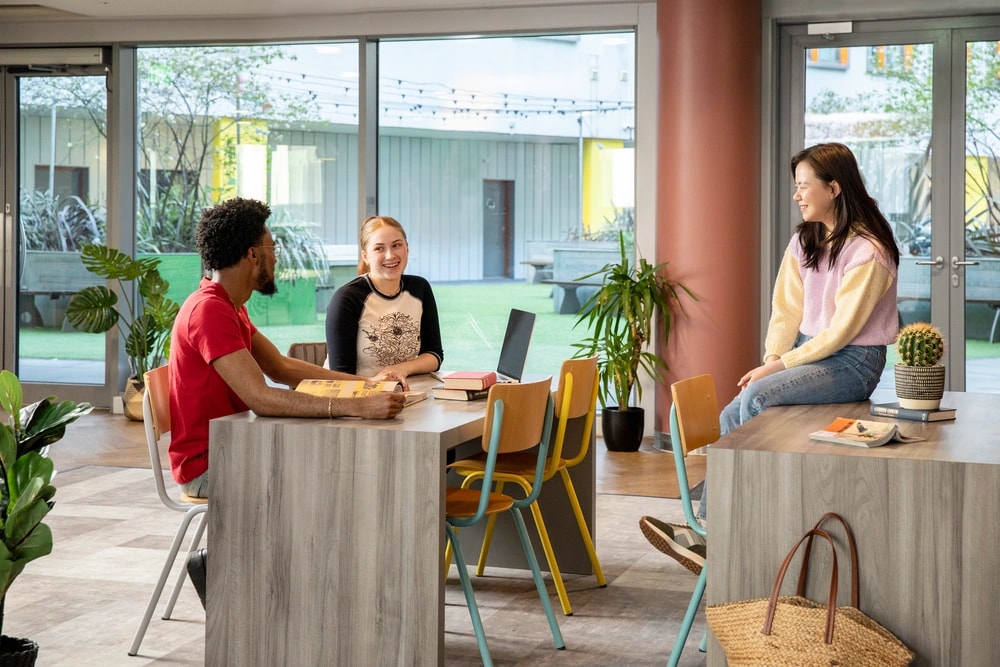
pixel 218 358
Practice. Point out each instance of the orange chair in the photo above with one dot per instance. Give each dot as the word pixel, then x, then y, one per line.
pixel 156 419
pixel 576 397
pixel 518 419
pixel 694 423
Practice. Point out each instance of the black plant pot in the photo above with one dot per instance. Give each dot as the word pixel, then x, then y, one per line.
pixel 622 428
pixel 17 652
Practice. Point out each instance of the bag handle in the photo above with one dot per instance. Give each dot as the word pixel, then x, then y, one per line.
pixel 803 573
pixel 831 602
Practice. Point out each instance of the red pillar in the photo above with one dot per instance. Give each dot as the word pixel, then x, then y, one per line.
pixel 708 197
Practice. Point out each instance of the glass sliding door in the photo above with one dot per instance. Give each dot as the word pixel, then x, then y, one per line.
pixel 56 200
pixel 976 267
pixel 928 156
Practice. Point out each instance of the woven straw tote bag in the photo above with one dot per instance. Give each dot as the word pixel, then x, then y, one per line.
pixel 798 632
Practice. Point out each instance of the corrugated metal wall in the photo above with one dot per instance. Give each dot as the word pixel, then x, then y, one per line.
pixel 434 186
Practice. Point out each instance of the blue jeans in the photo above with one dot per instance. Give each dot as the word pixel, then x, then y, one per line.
pixel 849 375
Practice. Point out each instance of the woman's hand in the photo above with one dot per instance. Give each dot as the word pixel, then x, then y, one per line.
pixel 389 374
pixel 771 366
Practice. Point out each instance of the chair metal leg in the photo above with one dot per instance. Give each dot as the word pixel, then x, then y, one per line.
pixel 470 598
pixel 550 557
pixel 158 590
pixel 588 543
pixel 536 574
pixel 491 522
pixel 704 643
pixel 696 595
pixel 182 575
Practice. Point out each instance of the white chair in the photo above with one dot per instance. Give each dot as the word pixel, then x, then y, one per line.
pixel 156 418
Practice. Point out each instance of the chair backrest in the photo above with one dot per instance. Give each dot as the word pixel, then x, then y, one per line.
pixel 576 397
pixel 518 418
pixel 156 420
pixel 530 405
pixel 697 413
pixel 314 353
pixel 694 423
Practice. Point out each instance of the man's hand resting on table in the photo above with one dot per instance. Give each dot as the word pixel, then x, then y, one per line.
pixel 381 405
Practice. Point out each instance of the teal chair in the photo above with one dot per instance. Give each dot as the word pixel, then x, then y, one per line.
pixel 518 418
pixel 694 423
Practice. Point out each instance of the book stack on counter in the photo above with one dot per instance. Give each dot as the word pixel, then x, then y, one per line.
pixel 466 385
pixel 895 410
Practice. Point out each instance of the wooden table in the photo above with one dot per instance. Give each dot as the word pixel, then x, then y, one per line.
pixel 924 516
pixel 327 537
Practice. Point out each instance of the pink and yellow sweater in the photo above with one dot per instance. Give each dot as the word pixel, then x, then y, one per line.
pixel 852 303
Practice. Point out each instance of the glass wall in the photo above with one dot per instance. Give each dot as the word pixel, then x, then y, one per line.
pixel 507 159
pixel 489 159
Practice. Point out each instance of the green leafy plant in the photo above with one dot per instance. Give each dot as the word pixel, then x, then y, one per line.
pixel 26 492
pixel 302 253
pixel 49 222
pixel 622 315
pixel 920 344
pixel 144 325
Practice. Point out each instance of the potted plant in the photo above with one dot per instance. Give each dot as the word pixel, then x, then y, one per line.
pixel 26 492
pixel 919 376
pixel 622 315
pixel 145 325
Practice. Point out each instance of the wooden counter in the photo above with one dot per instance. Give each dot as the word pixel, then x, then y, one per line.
pixel 924 516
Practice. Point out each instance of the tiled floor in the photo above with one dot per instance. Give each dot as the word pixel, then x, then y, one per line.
pixel 82 603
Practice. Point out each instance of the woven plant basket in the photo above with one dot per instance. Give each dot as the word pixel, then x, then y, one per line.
pixel 17 652
pixel 919 387
pixel 132 400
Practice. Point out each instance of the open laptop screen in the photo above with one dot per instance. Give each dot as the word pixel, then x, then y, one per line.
pixel 514 351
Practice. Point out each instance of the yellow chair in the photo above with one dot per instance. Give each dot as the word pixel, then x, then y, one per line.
pixel 314 353
pixel 518 419
pixel 694 423
pixel 156 419
pixel 576 397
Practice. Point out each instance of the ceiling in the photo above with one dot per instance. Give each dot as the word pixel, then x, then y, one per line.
pixel 56 10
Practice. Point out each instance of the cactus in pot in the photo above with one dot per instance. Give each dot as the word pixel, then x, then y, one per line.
pixel 920 344
pixel 919 376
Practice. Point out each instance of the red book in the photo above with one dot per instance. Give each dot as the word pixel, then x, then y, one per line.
pixel 470 380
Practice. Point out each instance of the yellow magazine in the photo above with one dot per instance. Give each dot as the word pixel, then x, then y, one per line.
pixel 356 388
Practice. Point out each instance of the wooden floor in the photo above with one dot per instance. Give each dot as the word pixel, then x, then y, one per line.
pixel 105 439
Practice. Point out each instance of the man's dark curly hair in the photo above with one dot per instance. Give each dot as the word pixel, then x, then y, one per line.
pixel 225 232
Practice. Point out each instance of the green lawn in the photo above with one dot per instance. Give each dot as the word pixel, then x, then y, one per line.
pixel 473 318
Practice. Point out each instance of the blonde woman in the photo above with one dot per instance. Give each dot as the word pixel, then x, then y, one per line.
pixel 384 319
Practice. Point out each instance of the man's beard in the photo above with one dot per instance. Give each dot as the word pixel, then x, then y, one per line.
pixel 265 283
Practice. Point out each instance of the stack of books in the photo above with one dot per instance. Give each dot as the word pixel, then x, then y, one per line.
pixel 466 385
pixel 899 412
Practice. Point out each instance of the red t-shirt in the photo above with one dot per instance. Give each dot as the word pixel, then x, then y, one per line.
pixel 207 327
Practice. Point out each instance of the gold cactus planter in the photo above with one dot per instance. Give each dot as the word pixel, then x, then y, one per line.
pixel 919 387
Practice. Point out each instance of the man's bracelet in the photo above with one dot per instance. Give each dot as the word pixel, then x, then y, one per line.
pixel 329 408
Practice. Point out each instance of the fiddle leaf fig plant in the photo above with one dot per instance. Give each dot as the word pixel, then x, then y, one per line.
pixel 145 325
pixel 26 492
pixel 634 297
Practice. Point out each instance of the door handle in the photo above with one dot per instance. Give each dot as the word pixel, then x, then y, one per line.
pixel 937 261
pixel 955 262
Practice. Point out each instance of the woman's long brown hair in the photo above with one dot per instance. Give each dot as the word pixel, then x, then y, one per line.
pixel 855 210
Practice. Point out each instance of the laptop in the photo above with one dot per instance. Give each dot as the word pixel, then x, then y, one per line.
pixel 514 351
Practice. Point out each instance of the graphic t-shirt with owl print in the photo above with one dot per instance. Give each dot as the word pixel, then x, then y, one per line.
pixel 367 330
